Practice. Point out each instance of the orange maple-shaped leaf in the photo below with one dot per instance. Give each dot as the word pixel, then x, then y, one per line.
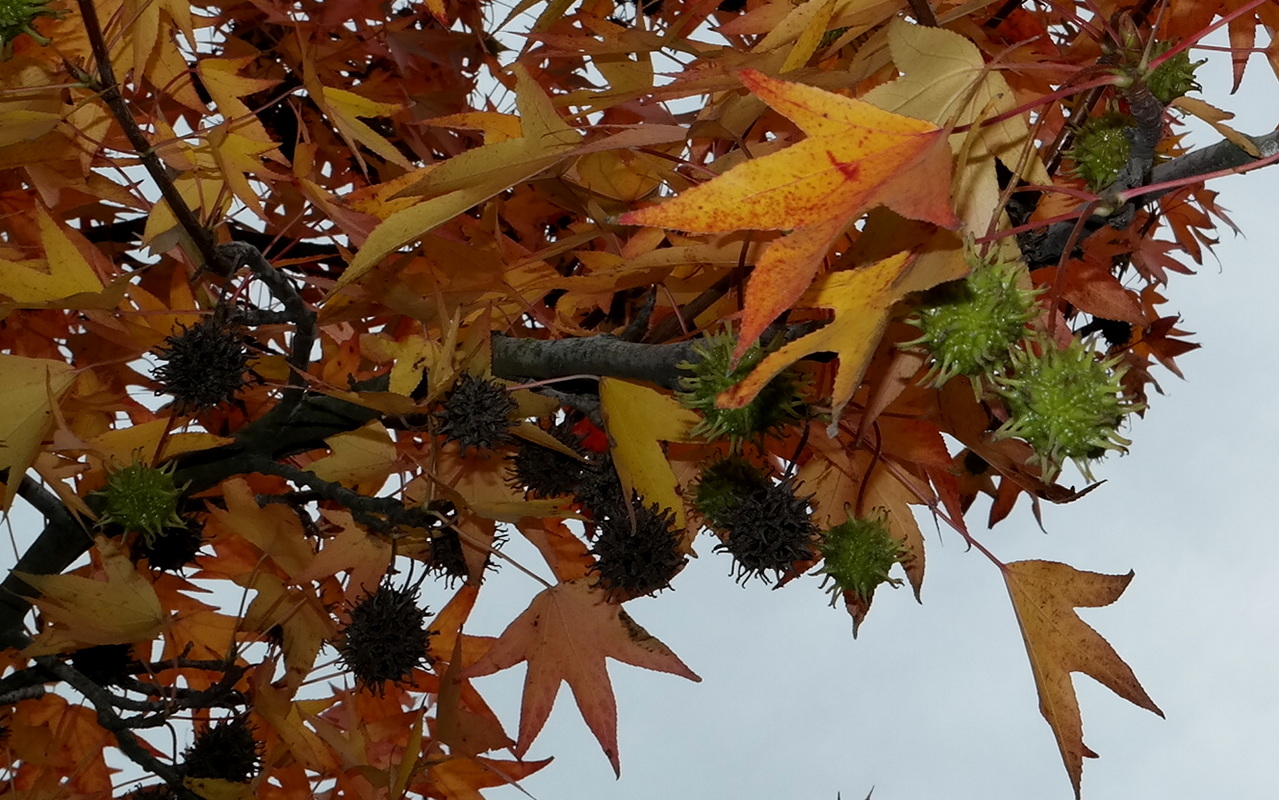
pixel 565 634
pixel 1045 595
pixel 856 157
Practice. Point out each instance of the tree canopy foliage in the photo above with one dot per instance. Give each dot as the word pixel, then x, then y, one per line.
pixel 315 302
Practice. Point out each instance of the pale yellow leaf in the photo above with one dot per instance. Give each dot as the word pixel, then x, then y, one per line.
pixel 32 387
pixel 638 419
pixel 121 607
pixel 362 458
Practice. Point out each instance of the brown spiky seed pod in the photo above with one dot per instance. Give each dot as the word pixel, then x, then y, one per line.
pixel 542 472
pixel 225 750
pixel 386 638
pixel 204 365
pixel 767 531
pixel 476 413
pixel 633 561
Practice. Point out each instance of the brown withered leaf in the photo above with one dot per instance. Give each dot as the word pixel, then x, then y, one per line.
pixel 1045 595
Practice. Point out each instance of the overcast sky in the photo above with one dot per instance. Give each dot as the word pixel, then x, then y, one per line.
pixel 937 700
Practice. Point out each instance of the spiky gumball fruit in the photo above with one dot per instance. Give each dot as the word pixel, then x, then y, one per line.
pixel 225 750
pixel 722 484
pixel 142 499
pixel 639 560
pixel 104 664
pixel 1066 403
pixel 857 555
pixel 777 405
pixel 975 322
pixel 176 548
pixel 204 366
pixel 17 17
pixel 476 413
pixel 1175 76
pixel 768 530
pixel 543 472
pixel 1101 149
pixel 386 638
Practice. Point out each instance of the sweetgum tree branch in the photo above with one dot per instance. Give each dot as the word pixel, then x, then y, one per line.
pixel 105 83
pixel 1043 247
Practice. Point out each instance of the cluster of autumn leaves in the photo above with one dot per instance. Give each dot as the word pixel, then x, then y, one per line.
pixel 838 252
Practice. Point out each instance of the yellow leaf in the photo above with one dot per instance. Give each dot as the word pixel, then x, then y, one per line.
pixel 638 419
pixel 32 387
pixel 472 177
pixel 345 108
pixel 856 157
pixel 362 459
pixel 1216 118
pixel 861 299
pixel 275 529
pixel 219 788
pixel 149 442
pixel 1045 595
pixel 303 622
pixel 68 271
pixel 946 81
pixel 121 608
pixel 495 126
pixel 220 78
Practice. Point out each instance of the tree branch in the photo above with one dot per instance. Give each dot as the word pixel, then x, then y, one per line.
pixel 1044 246
pixel 109 88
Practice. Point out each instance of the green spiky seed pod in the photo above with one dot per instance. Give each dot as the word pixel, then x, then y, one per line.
pixel 778 404
pixel 226 750
pixel 1065 403
pixel 722 484
pixel 386 638
pixel 1174 77
pixel 1101 149
pixel 975 322
pixel 17 18
pixel 476 413
pixel 142 499
pixel 857 554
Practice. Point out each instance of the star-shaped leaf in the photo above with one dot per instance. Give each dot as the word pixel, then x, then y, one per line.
pixel 856 157
pixel 1045 595
pixel 565 635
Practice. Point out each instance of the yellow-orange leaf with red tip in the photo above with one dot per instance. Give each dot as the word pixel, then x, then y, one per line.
pixel 856 157
pixel 1045 595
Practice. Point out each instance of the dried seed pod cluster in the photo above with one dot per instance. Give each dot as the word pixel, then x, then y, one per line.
pixel 476 413
pixel 763 524
pixel 204 366
pixel 386 638
pixel 639 558
pixel 226 750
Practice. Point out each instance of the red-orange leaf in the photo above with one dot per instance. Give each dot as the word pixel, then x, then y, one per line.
pixel 856 157
pixel 1045 595
pixel 565 635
